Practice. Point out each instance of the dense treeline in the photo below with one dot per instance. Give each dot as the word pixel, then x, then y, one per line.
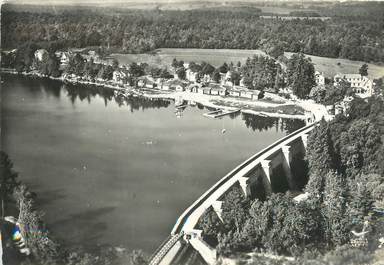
pixel 142 31
pixel 346 191
pixel 259 72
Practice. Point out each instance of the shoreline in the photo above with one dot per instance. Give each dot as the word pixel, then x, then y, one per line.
pixel 245 106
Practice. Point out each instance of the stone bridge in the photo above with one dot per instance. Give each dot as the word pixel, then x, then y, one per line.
pixel 266 172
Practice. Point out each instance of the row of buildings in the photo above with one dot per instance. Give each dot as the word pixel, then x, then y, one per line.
pixel 194 87
pixel 362 85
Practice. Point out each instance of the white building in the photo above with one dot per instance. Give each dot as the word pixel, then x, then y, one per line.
pixel 191 75
pixel 226 79
pixel 119 76
pixel 63 57
pixel 206 78
pixel 362 85
pixel 40 54
pixel 319 78
pixel 242 82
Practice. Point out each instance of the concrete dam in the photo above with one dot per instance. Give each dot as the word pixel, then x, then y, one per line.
pixel 274 169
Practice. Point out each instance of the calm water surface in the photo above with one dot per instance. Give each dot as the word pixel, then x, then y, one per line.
pixel 119 172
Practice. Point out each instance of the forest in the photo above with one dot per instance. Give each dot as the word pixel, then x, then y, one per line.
pixel 136 31
pixel 259 72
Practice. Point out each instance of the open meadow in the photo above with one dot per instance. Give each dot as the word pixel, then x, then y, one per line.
pixel 332 66
pixel 163 57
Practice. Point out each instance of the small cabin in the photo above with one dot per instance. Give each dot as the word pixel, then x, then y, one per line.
pixel 246 94
pixel 207 91
pixel 179 88
pixel 200 90
pixel 234 93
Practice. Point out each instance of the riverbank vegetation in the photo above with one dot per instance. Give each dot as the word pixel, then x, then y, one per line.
pixel 137 31
pixel 346 191
pixel 257 73
pixel 44 249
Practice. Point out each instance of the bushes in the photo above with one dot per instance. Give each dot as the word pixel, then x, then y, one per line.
pixel 32 227
pixel 278 225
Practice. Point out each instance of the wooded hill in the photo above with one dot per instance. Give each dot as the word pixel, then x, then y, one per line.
pixel 134 31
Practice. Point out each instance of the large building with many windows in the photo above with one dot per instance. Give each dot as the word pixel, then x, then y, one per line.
pixel 362 85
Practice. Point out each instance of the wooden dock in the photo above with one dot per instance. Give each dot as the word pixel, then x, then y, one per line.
pixel 220 113
pixel 181 106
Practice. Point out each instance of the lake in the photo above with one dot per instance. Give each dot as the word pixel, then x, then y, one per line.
pixel 119 172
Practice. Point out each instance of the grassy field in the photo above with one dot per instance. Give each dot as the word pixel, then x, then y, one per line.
pixel 330 66
pixel 163 57
pixel 279 10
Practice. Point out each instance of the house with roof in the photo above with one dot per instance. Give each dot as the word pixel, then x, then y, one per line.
pixel 219 90
pixel 191 76
pixel 241 83
pixel 162 84
pixel 41 54
pixel 119 75
pixel 319 78
pixel 179 88
pixel 207 91
pixel 63 57
pixel 343 106
pixel 206 79
pixel 225 79
pixel 361 85
pixel 200 90
pixel 145 82
pixel 193 88
pixel 176 84
pixel 234 93
pixel 246 94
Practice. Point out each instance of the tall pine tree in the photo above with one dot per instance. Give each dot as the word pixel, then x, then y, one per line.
pixel 320 158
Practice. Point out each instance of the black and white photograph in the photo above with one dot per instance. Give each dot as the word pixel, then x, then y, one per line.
pixel 192 132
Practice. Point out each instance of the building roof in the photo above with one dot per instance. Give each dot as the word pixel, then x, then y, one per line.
pixel 175 82
pixel 349 76
pixel 146 80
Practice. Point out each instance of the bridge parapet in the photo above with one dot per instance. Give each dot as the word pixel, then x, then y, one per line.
pixel 189 218
pixel 164 248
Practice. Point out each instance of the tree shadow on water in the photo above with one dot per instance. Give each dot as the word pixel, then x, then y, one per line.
pixel 83 228
pixel 47 197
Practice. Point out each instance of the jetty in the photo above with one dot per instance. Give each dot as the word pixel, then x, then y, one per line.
pixel 181 106
pixel 220 113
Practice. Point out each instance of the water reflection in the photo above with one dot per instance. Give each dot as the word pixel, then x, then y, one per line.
pixel 254 122
pixel 260 123
pixel 133 102
pixel 88 92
